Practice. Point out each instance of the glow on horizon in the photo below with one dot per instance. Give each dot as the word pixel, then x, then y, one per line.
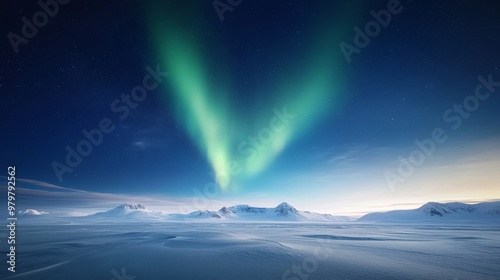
pixel 355 203
pixel 463 173
pixel 459 172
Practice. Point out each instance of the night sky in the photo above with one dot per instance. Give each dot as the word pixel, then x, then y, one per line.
pixel 258 101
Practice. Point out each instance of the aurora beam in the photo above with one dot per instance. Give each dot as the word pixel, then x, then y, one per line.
pixel 218 123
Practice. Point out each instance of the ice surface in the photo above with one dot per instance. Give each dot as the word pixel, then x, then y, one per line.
pixel 253 250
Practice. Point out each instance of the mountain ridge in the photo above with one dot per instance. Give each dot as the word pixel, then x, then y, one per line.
pixel 431 211
pixel 32 212
pixel 282 212
pixel 436 211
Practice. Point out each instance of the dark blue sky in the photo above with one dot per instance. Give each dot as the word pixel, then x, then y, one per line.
pixel 394 91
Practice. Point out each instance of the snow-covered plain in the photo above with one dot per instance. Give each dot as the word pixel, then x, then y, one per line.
pixel 81 250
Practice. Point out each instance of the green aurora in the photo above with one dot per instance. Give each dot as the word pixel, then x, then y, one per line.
pixel 200 85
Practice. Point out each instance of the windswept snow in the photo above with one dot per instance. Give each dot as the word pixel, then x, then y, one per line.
pixel 244 242
pixel 256 250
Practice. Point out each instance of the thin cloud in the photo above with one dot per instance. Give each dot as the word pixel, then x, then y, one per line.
pixel 45 184
pixel 58 199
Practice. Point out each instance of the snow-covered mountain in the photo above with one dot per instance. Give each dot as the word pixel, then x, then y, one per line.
pixel 128 211
pixel 282 212
pixel 206 214
pixel 434 211
pixel 31 213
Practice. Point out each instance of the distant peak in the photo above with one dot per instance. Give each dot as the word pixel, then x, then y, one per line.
pixel 284 205
pixel 132 206
pixel 441 209
pixel 285 209
pixel 432 203
pixel 32 212
pixel 447 204
pixel 225 210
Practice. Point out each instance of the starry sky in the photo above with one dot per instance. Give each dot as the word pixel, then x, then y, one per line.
pixel 171 102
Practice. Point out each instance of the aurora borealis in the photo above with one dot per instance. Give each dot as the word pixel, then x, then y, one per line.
pixel 207 98
pixel 263 103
